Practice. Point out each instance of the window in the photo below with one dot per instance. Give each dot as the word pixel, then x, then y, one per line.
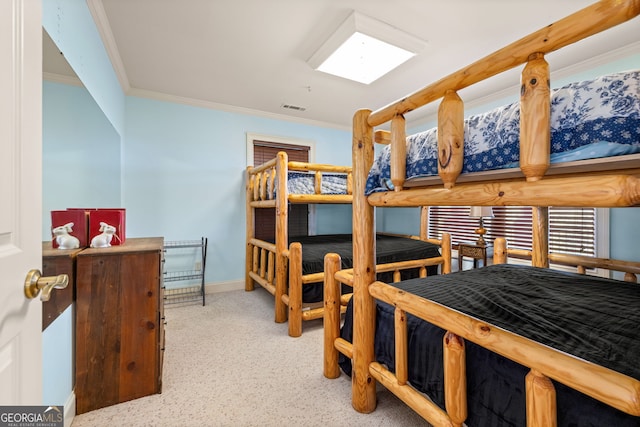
pixel 571 230
pixel 265 219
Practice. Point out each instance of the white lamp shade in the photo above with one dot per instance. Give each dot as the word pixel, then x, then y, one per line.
pixel 480 211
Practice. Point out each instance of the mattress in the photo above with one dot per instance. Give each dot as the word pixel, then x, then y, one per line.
pixel 590 317
pixel 389 249
pixel 589 119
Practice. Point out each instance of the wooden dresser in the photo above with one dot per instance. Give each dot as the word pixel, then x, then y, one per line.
pixel 119 323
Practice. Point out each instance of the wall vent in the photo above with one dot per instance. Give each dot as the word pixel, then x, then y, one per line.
pixel 293 107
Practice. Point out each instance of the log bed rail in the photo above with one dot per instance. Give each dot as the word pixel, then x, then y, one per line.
pixel 293 299
pixel 534 114
pixel 616 185
pixel 335 303
pixel 630 269
pixel 262 180
pixel 278 267
pixel 545 363
pixel 266 187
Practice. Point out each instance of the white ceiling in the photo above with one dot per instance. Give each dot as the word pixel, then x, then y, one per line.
pixel 250 55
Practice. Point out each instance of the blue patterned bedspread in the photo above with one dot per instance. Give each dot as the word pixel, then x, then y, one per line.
pixel 303 183
pixel 589 119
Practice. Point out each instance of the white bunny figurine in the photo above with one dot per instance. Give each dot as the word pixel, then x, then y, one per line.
pixel 64 239
pixel 103 240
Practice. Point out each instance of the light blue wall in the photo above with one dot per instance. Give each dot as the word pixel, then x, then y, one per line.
pixel 57 361
pixel 333 219
pixel 81 168
pixel 625 233
pixel 184 175
pixel 70 25
pixel 81 152
pixel 399 220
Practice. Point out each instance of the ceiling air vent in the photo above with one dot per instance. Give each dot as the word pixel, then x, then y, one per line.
pixel 293 107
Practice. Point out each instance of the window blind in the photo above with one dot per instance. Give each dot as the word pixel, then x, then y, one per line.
pixel 264 151
pixel 571 230
pixel 298 215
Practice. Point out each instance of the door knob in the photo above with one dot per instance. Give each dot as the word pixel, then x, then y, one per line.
pixel 35 282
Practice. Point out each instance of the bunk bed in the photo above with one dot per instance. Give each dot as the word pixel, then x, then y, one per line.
pixel 295 277
pixel 535 377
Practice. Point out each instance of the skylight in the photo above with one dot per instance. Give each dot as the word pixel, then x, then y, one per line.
pixel 364 49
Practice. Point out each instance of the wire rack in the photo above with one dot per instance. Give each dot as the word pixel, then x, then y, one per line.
pixel 190 292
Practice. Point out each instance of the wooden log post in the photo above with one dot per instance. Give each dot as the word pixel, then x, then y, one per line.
pixel 295 289
pixel 450 138
pixel 250 231
pixel 264 180
pixel 331 315
pixel 424 222
pixel 541 400
pixel 363 385
pixel 401 350
pixel 540 237
pixel 397 275
pixel 272 189
pixel 455 378
pixel 445 249
pixel 263 263
pixel 282 236
pixel 500 251
pixel 256 259
pixel 255 178
pixel 317 185
pixel 271 273
pixel 398 152
pixel 382 136
pixel 535 118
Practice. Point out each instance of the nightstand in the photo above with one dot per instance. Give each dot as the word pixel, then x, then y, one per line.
pixel 472 250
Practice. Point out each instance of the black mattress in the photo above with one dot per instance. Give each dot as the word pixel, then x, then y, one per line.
pixel 593 318
pixel 388 248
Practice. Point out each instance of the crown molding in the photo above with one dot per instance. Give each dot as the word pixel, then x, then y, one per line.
pixel 104 29
pixel 596 61
pixel 98 13
pixel 158 96
pixel 59 78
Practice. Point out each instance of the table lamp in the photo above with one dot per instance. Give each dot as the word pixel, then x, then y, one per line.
pixel 480 212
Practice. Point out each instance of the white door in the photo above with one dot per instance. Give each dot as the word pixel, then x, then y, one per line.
pixel 20 199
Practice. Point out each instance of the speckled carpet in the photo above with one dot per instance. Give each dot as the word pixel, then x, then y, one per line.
pixel 229 364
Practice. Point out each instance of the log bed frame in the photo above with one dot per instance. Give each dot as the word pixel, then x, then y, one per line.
pixel 278 267
pixel 609 183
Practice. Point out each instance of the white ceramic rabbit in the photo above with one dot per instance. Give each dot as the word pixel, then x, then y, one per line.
pixel 64 239
pixel 103 240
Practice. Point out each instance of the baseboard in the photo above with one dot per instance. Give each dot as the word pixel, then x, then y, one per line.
pixel 70 409
pixel 235 285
